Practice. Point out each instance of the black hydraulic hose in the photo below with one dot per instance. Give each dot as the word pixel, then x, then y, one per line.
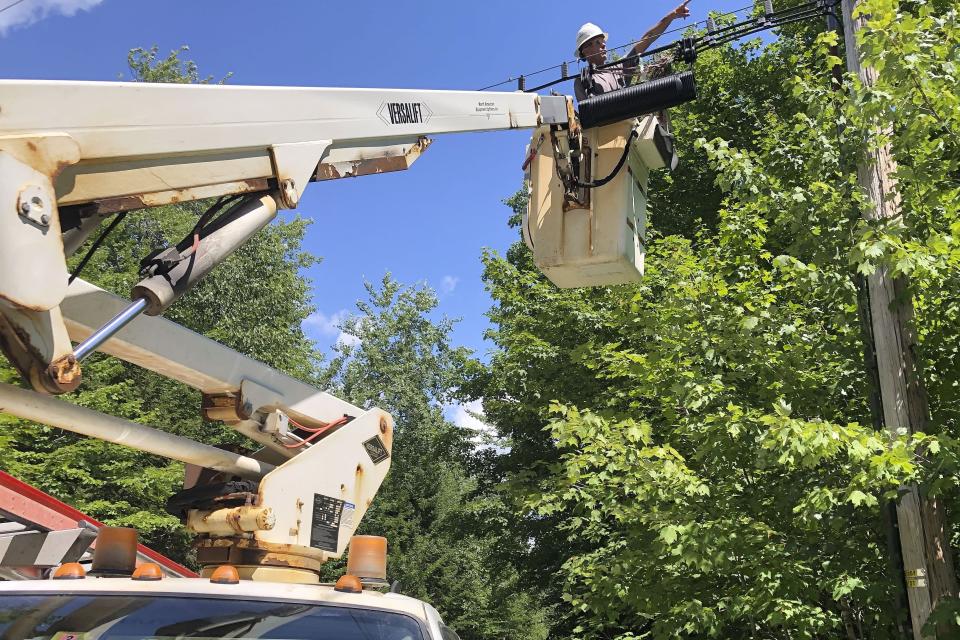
pixel 602 181
pixel 208 215
pixel 96 245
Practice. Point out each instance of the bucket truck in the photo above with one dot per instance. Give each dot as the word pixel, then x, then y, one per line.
pixel 76 155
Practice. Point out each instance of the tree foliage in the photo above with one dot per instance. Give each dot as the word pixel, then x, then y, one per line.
pixel 694 455
pixel 445 529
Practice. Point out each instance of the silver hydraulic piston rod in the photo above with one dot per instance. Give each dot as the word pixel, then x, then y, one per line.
pixel 104 333
pixel 58 413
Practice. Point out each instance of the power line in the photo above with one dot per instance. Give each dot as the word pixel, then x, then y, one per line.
pixel 11 5
pixel 688 47
pixel 684 27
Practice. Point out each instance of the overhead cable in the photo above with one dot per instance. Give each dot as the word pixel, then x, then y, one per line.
pixel 10 6
pixel 692 25
pixel 688 47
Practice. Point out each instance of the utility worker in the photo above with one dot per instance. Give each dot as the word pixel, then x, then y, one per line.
pixel 592 47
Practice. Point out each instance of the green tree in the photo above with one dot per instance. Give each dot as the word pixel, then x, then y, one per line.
pixel 690 454
pixel 445 531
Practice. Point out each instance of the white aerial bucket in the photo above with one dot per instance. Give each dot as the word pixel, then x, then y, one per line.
pixel 597 238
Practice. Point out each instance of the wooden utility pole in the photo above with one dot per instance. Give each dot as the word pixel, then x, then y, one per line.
pixel 924 540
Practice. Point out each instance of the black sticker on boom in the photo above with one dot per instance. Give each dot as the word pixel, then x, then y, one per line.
pixel 325 526
pixel 376 449
pixel 404 113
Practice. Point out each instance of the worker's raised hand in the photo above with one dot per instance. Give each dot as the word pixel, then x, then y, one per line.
pixel 683 11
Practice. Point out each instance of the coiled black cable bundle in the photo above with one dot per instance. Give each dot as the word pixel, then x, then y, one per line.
pixel 638 100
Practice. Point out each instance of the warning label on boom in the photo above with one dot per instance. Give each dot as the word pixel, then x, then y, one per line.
pixel 486 106
pixel 376 450
pixel 325 527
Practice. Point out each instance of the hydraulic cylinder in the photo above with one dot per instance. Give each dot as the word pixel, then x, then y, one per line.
pixel 216 243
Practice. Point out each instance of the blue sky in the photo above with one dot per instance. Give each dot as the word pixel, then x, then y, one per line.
pixel 428 224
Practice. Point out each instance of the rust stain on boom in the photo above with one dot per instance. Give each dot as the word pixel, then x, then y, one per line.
pixel 146 200
pixel 371 166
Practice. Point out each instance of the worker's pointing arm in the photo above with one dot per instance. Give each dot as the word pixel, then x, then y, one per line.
pixel 650 36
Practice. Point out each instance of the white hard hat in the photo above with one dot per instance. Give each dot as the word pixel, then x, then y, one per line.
pixel 587 31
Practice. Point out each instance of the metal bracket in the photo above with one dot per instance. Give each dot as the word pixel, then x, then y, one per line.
pixel 242 405
pixel 277 423
pixel 32 206
pixel 257 397
pixel 31 252
pixel 32 340
pixel 916 578
pixel 30 247
pixel 687 49
pixel 371 160
pixel 293 165
pixel 553 110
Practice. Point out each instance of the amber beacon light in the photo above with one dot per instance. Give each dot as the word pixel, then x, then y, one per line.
pixel 225 574
pixel 70 571
pixel 348 584
pixel 368 559
pixel 116 551
pixel 148 571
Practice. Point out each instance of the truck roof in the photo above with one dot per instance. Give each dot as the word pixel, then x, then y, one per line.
pixel 245 589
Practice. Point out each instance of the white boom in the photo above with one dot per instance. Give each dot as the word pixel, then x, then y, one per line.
pixel 122 146
pixel 73 154
pixel 133 139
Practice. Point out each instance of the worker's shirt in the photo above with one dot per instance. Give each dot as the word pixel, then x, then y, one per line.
pixel 594 82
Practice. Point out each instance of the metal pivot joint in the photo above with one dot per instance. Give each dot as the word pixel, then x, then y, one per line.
pixel 64 373
pixel 32 207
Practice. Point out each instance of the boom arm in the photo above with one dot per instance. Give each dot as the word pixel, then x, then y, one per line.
pixel 143 140
pixel 122 146
pixel 74 153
